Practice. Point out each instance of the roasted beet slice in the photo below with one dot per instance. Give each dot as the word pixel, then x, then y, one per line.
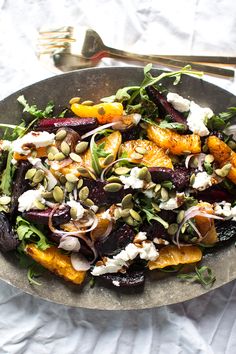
pixel 180 176
pixel 116 241
pixel 72 137
pixel 61 216
pixel 101 197
pixel 20 185
pixel 8 238
pixel 80 125
pixel 129 279
pixel 165 108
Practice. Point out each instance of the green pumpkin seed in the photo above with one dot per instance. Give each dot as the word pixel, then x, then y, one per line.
pixel 136 156
pixel 75 157
pixel 52 150
pixel 74 100
pixel 69 186
pixel 59 156
pixel 164 194
pixel 39 176
pixel 126 201
pixel 84 193
pixel 50 156
pixel 73 213
pixel 209 158
pixel 65 148
pixel 80 183
pixel 30 173
pixel 113 179
pixel 109 159
pixel 112 187
pixel 101 111
pixel 180 216
pixel 223 172
pixel 129 220
pixel 140 150
pixel 172 229
pixel 61 134
pixel 124 213
pixel 122 170
pixel 58 194
pixel 5 200
pixel 87 103
pixel 81 147
pixel 135 215
pixel 70 177
pixel 88 202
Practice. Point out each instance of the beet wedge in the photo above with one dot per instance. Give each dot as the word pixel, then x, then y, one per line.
pixel 80 125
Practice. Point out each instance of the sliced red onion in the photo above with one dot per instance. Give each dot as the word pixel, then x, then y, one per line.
pixel 98 129
pixel 102 177
pixel 79 262
pixel 69 243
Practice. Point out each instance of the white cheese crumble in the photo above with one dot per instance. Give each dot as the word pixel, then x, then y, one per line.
pixel 178 102
pixel 38 139
pixel 132 180
pixel 78 207
pixel 147 251
pixel 197 119
pixel 27 200
pixel 202 181
pixel 106 215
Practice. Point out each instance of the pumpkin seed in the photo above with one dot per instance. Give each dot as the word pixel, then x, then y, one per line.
pixel 73 213
pixel 101 111
pixel 88 202
pixel 74 100
pixel 59 156
pixel 117 213
pixel 172 229
pixel 39 205
pixel 84 193
pixel 135 215
pixel 157 188
pixel 129 220
pixel 65 148
pixel 53 150
pixel 75 157
pixel 81 147
pixel 70 177
pixel 164 194
pixel 140 150
pixel 80 183
pixel 87 103
pixel 136 156
pixel 223 172
pixel 126 200
pixel 50 156
pixel 192 179
pixel 39 176
pixel 61 134
pixel 209 158
pixel 122 170
pixel 180 216
pixel 109 159
pixel 5 200
pixel 58 194
pixel 30 173
pixel 113 179
pixel 124 213
pixel 69 186
pixel 82 170
pixel 112 187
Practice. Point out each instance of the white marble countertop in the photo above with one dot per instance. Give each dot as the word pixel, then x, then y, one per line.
pixel 203 325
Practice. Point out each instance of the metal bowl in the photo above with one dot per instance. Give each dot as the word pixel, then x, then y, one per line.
pixel 93 84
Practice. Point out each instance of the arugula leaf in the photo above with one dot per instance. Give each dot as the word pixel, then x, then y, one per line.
pixel 202 275
pixel 34 111
pixel 27 231
pixel 7 176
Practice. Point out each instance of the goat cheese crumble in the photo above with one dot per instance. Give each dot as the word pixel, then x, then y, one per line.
pixel 202 181
pixel 178 102
pixel 132 180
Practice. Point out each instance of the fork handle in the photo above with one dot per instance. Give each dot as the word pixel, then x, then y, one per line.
pixel 113 52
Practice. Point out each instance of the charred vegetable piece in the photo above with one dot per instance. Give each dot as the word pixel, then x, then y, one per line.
pixel 20 185
pixel 104 112
pixel 71 138
pixel 152 154
pixel 129 279
pixel 61 216
pixel 172 255
pixel 165 108
pixel 57 262
pixel 8 239
pixel 180 176
pixel 177 144
pixel 116 241
pixel 81 126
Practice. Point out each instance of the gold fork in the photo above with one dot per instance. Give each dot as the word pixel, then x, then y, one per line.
pixel 69 52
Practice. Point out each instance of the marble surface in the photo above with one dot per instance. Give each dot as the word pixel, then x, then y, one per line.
pixel 203 325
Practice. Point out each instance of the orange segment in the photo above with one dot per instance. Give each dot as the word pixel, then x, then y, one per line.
pixel 172 255
pixel 154 156
pixel 177 144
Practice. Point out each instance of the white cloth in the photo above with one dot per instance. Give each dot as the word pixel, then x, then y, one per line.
pixel 203 325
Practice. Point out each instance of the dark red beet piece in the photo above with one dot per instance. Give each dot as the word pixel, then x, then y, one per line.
pixel 80 125
pixel 116 241
pixel 61 216
pixel 8 238
pixel 129 279
pixel 164 106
